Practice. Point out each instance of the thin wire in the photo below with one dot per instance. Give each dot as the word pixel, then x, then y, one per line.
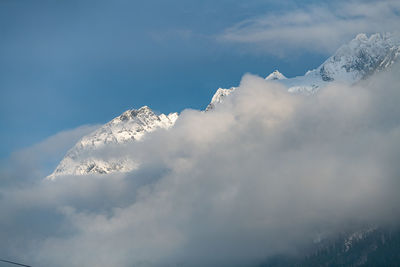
pixel 16 263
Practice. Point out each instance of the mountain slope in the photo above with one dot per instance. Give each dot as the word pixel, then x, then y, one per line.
pixel 219 96
pixel 129 126
pixel 374 247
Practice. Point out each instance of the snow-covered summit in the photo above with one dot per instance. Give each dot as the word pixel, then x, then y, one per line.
pixel 219 96
pixel 275 75
pixel 129 126
pixel 352 62
pixel 361 57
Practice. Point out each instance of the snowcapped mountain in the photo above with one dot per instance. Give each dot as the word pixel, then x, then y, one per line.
pixel 351 63
pixel 129 126
pixel 219 96
pixel 275 75
pixel 221 93
pixel 357 60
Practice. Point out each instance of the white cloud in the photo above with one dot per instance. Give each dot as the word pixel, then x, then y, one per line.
pixel 45 154
pixel 263 173
pixel 321 28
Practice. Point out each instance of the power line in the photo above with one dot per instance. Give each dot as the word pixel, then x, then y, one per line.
pixel 16 263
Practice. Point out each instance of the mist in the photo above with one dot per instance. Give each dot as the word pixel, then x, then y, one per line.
pixel 264 173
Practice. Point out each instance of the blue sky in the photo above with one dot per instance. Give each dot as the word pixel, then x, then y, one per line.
pixel 258 177
pixel 64 64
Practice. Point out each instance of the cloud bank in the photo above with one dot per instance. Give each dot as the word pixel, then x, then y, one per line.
pixel 264 173
pixel 317 28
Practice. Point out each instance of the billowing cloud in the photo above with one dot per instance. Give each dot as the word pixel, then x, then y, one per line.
pixel 317 28
pixel 264 173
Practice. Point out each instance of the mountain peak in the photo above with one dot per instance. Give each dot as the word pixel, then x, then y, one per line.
pixel 275 75
pixel 131 125
pixel 361 57
pixel 144 109
pixel 218 97
pixel 133 113
pixel 352 62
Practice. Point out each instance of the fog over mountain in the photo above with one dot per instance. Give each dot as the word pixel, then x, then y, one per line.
pixel 352 62
pixel 264 172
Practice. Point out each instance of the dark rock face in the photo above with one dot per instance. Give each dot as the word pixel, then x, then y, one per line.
pixel 325 75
